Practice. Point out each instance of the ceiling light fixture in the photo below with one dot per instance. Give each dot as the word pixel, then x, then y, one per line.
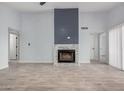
pixel 42 3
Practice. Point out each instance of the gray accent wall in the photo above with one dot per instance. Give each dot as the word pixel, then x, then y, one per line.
pixel 66 26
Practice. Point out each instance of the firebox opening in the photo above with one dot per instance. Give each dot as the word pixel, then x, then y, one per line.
pixel 66 56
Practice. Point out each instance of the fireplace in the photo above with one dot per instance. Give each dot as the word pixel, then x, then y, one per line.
pixel 66 56
pixel 66 53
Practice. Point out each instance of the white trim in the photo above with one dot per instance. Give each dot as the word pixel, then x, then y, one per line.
pixel 2 67
pixel 84 61
pixel 31 61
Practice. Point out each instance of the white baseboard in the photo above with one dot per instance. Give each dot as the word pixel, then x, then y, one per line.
pixel 2 67
pixel 84 61
pixel 27 61
pixel 30 61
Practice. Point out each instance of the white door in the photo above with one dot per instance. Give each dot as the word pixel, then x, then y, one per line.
pixel 115 50
pixel 102 47
pixel 123 47
pixel 12 46
pixel 94 47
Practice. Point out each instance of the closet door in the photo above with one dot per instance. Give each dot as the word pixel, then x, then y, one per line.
pixel 118 47
pixel 112 48
pixel 123 47
pixel 115 57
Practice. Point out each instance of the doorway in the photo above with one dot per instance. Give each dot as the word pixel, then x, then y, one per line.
pixel 13 45
pixel 103 47
pixel 94 48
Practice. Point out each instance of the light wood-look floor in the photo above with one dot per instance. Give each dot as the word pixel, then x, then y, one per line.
pixel 63 77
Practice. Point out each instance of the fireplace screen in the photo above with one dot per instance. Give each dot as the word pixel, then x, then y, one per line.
pixel 66 56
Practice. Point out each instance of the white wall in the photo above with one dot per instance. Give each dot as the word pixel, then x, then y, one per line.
pixel 96 23
pixel 37 29
pixel 116 16
pixel 8 18
pixel 84 47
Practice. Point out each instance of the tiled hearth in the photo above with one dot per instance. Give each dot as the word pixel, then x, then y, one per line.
pixel 65 47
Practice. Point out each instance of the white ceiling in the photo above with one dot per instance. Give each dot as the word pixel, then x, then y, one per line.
pixel 83 6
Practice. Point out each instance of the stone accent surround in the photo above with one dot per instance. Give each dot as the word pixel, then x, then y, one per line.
pixel 66 47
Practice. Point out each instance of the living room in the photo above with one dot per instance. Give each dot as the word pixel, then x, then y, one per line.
pixel 42 41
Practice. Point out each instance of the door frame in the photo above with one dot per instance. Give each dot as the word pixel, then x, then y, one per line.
pixel 16 32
